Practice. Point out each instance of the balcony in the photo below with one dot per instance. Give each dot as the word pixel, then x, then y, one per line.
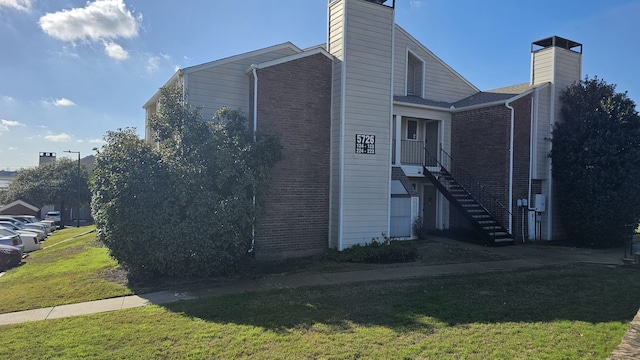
pixel 411 153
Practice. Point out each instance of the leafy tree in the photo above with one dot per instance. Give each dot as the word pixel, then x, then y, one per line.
pixel 596 163
pixel 54 183
pixel 184 206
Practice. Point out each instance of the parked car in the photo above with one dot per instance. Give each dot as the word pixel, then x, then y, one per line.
pixel 29 239
pixel 30 219
pixel 49 225
pixel 10 256
pixel 23 225
pixel 16 227
pixel 13 240
pixel 55 216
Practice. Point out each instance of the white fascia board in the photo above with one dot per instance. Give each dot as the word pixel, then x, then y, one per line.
pixel 293 57
pixel 208 65
pixel 174 78
pixel 287 45
pixel 321 46
pixel 483 105
pixel 398 28
pixel 420 106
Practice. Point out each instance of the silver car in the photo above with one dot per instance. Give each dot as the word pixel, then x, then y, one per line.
pixel 13 240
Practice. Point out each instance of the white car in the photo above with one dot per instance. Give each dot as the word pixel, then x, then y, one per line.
pixel 50 225
pixel 29 239
pixel 42 235
pixel 54 216
pixel 23 225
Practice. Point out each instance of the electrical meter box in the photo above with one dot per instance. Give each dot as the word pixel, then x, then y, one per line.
pixel 541 203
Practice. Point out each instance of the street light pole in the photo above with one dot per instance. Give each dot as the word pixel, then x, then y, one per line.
pixel 77 187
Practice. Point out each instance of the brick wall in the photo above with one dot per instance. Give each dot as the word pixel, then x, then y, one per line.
pixel 294 101
pixel 480 143
pixel 521 161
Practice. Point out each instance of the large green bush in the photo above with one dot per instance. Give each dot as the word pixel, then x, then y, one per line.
pixel 596 164
pixel 185 204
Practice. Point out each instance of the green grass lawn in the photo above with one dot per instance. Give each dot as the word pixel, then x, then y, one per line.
pixel 430 252
pixel 72 267
pixel 65 270
pixel 568 312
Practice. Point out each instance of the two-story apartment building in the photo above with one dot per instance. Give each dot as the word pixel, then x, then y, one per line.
pixel 378 132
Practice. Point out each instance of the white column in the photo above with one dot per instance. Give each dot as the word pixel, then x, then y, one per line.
pixel 398 122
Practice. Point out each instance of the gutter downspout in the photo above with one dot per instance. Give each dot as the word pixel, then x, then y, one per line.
pixel 511 146
pixel 254 69
pixel 511 165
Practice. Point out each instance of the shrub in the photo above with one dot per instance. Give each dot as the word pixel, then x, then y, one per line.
pixel 185 205
pixel 380 252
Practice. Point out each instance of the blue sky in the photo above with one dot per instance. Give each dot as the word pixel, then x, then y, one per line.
pixel 70 70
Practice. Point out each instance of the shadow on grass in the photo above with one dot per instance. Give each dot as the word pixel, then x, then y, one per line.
pixel 586 293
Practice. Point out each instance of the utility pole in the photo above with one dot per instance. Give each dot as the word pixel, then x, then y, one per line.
pixel 77 187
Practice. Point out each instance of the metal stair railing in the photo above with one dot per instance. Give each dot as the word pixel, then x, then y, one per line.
pixel 479 192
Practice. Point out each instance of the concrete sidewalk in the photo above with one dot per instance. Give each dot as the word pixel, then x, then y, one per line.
pixel 521 259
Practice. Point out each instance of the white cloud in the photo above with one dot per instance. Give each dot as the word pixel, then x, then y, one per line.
pixel 115 51
pixel 63 102
pixel 12 148
pixel 153 64
pixel 22 5
pixel 97 141
pixel 7 98
pixel 415 3
pixel 58 138
pixel 5 125
pixel 101 20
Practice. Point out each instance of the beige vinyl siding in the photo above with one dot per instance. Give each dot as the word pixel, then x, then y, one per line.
pixel 441 83
pixel 336 27
pixel 336 131
pixel 568 69
pixel 543 66
pixel 226 84
pixel 542 133
pixel 561 67
pixel 335 47
pixel 368 32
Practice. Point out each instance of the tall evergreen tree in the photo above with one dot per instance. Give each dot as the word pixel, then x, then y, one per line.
pixel 596 163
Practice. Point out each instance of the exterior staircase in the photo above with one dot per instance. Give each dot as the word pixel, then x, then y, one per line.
pixel 485 213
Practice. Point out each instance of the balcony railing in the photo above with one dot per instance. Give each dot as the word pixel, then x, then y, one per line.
pixel 411 152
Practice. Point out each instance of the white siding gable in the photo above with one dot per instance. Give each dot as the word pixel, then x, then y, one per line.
pixel 440 83
pixel 224 83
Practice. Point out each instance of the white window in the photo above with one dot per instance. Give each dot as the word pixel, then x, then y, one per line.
pixel 415 75
pixel 412 130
